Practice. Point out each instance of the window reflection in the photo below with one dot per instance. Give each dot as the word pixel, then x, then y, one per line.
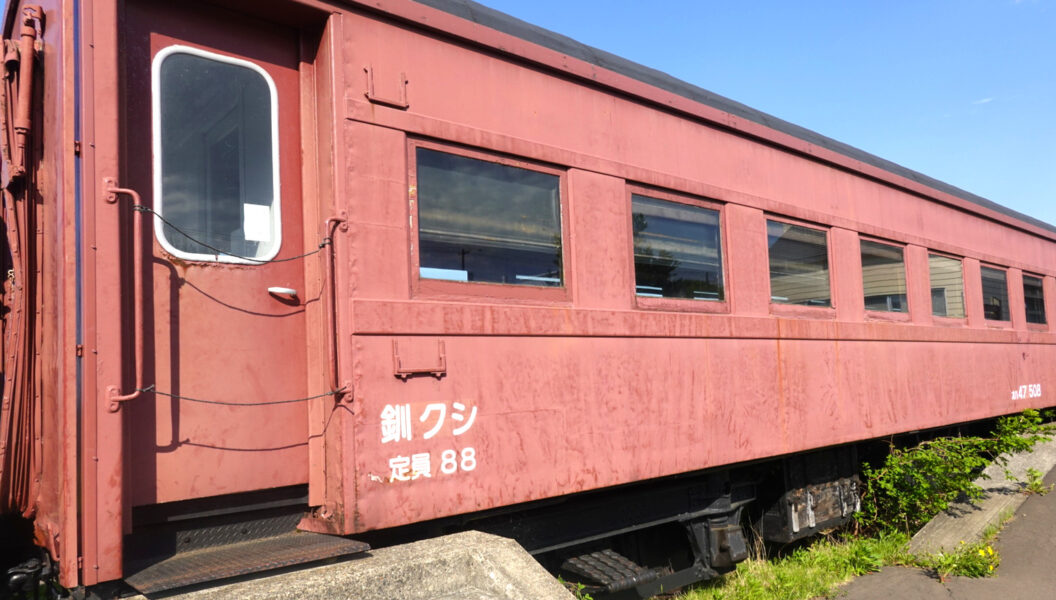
pixel 217 177
pixel 1034 296
pixel 883 277
pixel 799 265
pixel 947 286
pixel 487 222
pixel 995 294
pixel 677 253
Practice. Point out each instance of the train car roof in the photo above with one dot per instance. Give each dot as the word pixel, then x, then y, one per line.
pixel 491 18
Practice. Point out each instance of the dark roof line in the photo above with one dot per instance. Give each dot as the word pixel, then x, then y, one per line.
pixel 491 18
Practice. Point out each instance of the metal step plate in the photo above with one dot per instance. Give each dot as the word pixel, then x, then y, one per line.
pixel 242 558
pixel 613 571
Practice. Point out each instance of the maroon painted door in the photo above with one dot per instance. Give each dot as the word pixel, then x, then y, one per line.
pixel 212 121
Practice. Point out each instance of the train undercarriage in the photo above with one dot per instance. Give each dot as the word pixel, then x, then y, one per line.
pixel 634 541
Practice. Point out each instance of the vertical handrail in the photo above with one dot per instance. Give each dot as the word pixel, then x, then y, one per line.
pixel 116 398
pixel 331 310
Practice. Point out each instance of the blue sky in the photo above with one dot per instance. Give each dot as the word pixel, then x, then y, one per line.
pixel 961 90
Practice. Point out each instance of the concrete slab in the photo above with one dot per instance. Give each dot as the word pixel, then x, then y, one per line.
pixel 967 522
pixel 463 566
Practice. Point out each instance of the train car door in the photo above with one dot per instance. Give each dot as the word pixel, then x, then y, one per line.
pixel 213 144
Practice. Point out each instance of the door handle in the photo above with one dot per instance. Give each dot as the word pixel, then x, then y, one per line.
pixel 282 291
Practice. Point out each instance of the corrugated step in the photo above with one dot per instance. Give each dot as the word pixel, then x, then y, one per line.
pixel 241 558
pixel 612 571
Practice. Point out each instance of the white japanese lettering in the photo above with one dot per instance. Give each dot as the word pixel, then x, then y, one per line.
pixel 457 415
pixel 420 466
pixel 395 423
pixel 401 468
pixel 442 408
pixel 409 468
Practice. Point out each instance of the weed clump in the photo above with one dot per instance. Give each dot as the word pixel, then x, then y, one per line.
pixel 900 495
pixel 970 560
pixel 915 484
pixel 806 572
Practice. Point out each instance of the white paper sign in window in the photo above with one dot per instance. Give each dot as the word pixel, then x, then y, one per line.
pixel 256 222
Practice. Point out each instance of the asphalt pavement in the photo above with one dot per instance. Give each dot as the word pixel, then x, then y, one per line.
pixel 1027 546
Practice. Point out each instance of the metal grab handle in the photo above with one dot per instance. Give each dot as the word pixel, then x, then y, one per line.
pixel 331 310
pixel 114 391
pixel 282 291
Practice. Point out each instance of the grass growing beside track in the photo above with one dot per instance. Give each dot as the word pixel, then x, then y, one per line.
pixel 906 491
pixel 817 570
pixel 807 572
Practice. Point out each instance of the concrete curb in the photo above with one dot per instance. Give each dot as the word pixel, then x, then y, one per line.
pixel 967 522
pixel 464 566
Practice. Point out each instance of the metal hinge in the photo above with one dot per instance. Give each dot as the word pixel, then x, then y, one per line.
pixel 79 350
pixel 80 562
pixel 77 147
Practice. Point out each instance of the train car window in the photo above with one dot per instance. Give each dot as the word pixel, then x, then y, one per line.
pixel 1034 296
pixel 677 250
pixel 799 265
pixel 216 176
pixel 883 277
pixel 995 294
pixel 481 221
pixel 947 286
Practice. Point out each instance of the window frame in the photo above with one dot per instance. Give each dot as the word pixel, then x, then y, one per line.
pixel 156 159
pixel 1001 323
pixel 887 315
pixel 677 304
pixel 1044 326
pixel 800 310
pixel 469 290
pixel 944 320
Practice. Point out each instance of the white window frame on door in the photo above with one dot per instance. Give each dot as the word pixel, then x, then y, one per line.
pixel 276 213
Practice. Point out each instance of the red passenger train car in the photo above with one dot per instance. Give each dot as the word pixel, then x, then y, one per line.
pixel 348 266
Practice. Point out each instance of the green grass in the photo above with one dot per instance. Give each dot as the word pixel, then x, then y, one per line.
pixel 817 570
pixel 806 572
pixel 910 487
